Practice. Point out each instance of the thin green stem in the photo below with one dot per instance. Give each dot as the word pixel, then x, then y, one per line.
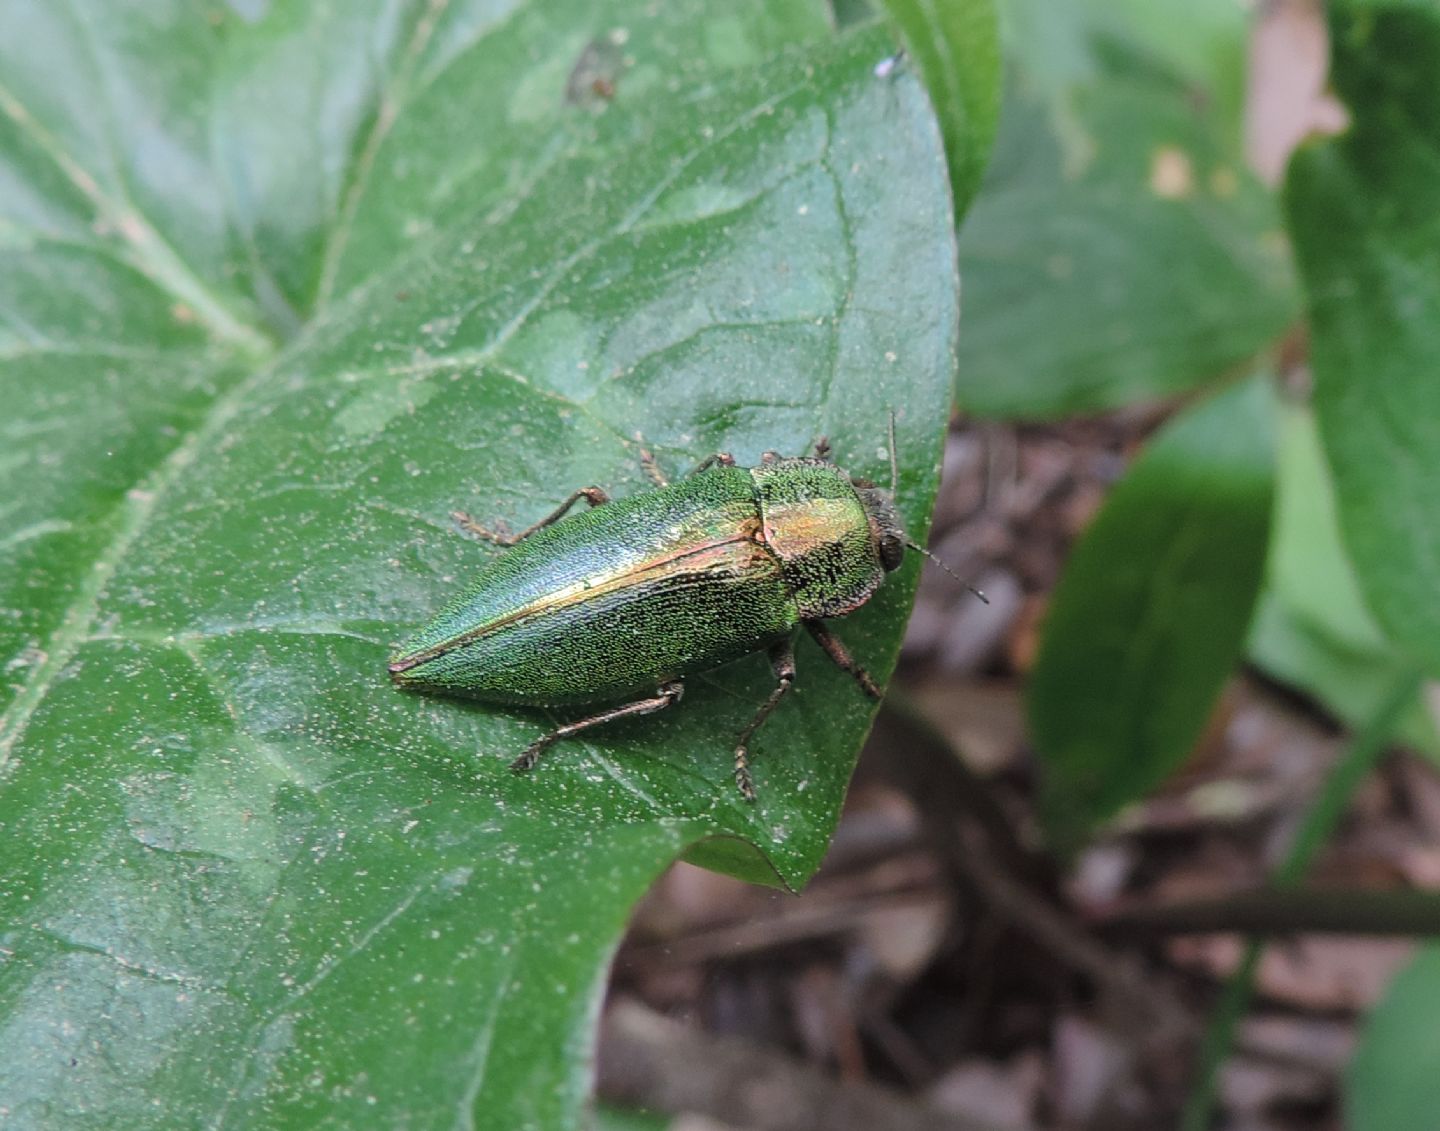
pixel 1319 822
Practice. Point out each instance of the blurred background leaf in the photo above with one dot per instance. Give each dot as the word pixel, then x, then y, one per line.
pixel 1364 209
pixel 1150 616
pixel 1391 1084
pixel 1119 250
pixel 1312 629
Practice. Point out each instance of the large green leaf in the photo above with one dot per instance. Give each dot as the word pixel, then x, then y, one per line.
pixel 1365 212
pixel 1118 249
pixel 1150 616
pixel 243 880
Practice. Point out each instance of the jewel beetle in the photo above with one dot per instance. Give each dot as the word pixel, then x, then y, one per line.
pixel 619 603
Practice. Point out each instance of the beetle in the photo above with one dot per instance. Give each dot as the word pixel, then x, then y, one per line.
pixel 619 603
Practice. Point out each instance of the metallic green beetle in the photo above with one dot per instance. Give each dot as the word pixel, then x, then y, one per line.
pixel 631 596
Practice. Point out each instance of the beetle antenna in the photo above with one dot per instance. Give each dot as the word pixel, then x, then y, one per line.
pixel 894 466
pixel 947 569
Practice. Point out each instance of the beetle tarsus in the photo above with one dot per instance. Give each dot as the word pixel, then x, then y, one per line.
pixel 782 663
pixel 526 762
pixel 842 658
pixel 497 533
pixel 719 459
pixel 651 467
pixel 743 781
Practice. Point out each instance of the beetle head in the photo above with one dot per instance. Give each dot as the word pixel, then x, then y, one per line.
pixel 886 530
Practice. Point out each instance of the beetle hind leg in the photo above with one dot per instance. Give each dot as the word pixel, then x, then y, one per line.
pixel 592 495
pixel 668 694
pixel 782 662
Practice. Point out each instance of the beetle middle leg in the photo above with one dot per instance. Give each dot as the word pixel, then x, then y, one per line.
pixel 668 694
pixel 592 495
pixel 719 459
pixel 841 655
pixel 782 662
pixel 651 466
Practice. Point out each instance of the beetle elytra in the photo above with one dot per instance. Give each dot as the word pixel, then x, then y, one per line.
pixel 619 603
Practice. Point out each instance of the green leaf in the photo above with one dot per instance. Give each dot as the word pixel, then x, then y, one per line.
pixel 1203 45
pixel 1119 250
pixel 1150 615
pixel 1312 628
pixel 1391 1084
pixel 955 43
pixel 410 181
pixel 1365 212
pixel 243 880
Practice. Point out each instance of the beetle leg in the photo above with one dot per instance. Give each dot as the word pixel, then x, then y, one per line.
pixel 719 459
pixel 838 652
pixel 822 447
pixel 592 495
pixel 782 662
pixel 669 693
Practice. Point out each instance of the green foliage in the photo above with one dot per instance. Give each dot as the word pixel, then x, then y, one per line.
pixel 1312 628
pixel 1391 1084
pixel 1365 212
pixel 1119 250
pixel 281 287
pixel 1150 616
pixel 1140 293
pixel 1147 620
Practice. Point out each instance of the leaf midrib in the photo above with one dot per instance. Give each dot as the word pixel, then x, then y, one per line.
pixel 153 256
pixel 132 516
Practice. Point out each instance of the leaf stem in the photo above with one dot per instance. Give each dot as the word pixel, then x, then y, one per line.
pixel 1316 826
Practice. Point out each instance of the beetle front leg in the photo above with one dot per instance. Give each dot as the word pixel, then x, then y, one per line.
pixel 822 451
pixel 782 662
pixel 669 694
pixel 843 660
pixel 592 495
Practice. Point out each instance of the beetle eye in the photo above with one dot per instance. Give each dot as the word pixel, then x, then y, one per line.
pixel 892 552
